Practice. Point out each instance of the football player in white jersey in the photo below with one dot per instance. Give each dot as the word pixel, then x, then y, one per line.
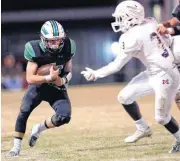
pixel 140 40
pixel 172 26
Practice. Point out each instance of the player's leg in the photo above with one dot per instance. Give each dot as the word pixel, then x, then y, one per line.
pixel 62 107
pixel 176 52
pixel 138 87
pixel 30 100
pixel 165 89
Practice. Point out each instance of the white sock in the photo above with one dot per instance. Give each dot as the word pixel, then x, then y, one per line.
pixel 141 124
pixel 17 143
pixel 177 135
pixel 42 127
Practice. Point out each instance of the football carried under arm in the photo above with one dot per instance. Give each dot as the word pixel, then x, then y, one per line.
pixel 67 77
pixel 33 75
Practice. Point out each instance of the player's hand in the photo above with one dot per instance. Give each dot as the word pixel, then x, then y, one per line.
pixel 162 30
pixel 89 74
pixel 54 73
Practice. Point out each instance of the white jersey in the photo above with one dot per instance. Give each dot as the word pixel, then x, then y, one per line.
pixel 144 43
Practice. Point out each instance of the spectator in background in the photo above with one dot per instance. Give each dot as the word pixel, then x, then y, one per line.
pixel 11 73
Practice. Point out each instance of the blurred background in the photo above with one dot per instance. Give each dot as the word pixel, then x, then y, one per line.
pixel 88 22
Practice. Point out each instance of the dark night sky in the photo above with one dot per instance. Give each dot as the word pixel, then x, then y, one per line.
pixel 16 5
pixel 8 5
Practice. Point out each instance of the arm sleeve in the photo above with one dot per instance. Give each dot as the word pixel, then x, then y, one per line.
pixel 73 47
pixel 114 66
pixel 29 52
pixel 176 12
pixel 128 47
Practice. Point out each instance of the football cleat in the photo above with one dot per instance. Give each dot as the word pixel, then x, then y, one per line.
pixel 34 135
pixel 138 135
pixel 14 152
pixel 175 148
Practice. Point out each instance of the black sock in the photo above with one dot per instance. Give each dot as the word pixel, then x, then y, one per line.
pixel 172 126
pixel 133 110
pixel 46 124
pixel 17 137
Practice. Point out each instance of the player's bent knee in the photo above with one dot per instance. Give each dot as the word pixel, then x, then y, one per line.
pixel 59 120
pixel 162 120
pixel 123 99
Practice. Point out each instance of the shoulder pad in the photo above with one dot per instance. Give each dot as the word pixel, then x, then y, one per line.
pixel 73 46
pixel 129 44
pixel 29 51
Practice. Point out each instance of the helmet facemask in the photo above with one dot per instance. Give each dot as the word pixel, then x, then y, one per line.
pixel 52 45
pixel 122 23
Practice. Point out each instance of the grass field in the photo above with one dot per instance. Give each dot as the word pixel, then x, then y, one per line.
pixel 96 132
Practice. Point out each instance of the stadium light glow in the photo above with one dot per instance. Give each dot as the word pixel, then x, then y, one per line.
pixel 115 48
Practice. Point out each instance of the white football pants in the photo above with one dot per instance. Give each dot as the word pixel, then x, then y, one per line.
pixel 163 85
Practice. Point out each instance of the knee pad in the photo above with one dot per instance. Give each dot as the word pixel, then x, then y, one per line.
pixel 162 120
pixel 59 120
pixel 124 99
pixel 177 98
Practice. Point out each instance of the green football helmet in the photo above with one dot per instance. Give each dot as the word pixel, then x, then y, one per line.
pixel 52 36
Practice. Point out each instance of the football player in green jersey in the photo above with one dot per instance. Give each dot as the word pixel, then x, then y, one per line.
pixel 53 47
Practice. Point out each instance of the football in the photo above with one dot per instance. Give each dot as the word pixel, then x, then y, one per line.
pixel 45 69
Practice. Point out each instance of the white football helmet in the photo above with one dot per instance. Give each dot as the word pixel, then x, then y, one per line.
pixel 52 35
pixel 127 14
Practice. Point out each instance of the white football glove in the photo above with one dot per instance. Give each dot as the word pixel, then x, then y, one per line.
pixel 89 74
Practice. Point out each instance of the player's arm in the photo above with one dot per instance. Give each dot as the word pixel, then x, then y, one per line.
pixel 68 71
pixel 171 23
pixel 168 27
pixel 68 74
pixel 111 68
pixel 32 78
pixel 175 20
pixel 124 56
pixel 68 67
pixel 114 66
pixel 32 67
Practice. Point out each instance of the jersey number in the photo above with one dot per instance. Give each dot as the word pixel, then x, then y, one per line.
pixel 165 81
pixel 155 37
